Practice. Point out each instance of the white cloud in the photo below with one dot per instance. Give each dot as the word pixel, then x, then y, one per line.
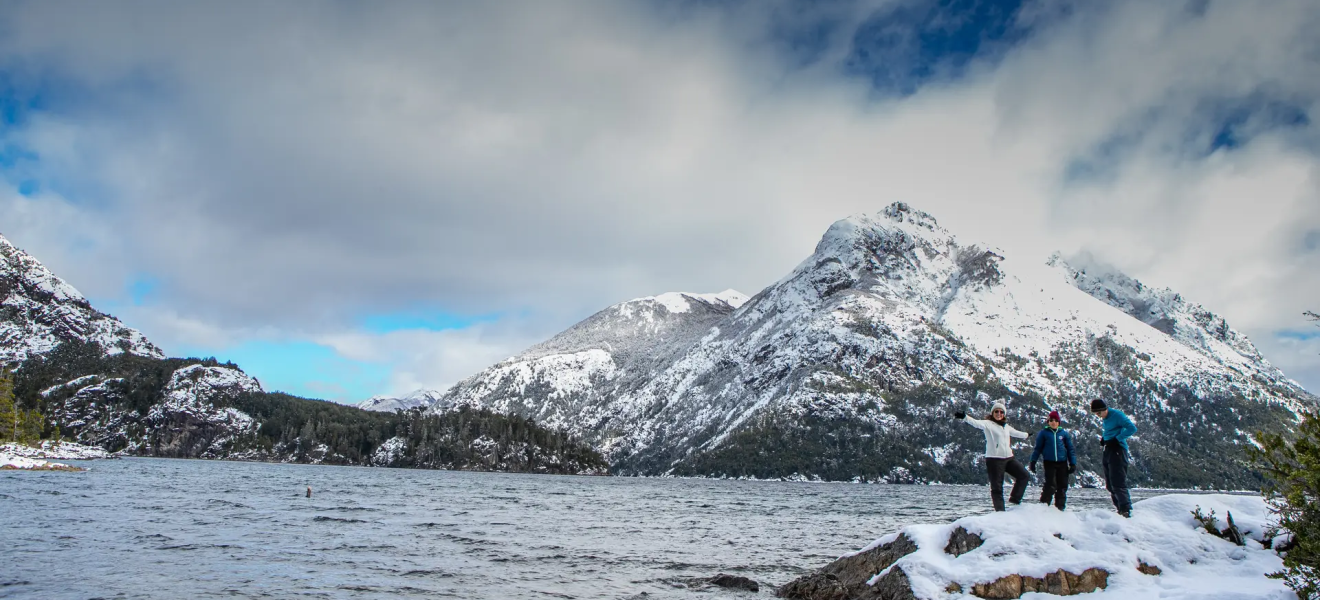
pixel 288 168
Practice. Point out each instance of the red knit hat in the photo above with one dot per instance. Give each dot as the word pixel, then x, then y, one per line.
pixel 1054 416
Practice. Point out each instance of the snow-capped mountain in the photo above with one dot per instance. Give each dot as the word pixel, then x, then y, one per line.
pixel 850 365
pixel 573 381
pixel 410 401
pixel 38 311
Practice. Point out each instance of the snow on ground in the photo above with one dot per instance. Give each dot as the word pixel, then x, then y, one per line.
pixel 9 461
pixel 1034 540
pixel 56 450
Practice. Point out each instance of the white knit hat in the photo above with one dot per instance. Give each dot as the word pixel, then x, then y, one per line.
pixel 999 404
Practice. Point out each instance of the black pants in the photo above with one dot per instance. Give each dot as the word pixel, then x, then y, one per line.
pixel 996 467
pixel 1055 488
pixel 1116 465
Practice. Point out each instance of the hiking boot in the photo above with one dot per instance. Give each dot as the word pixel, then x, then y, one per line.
pixel 1126 514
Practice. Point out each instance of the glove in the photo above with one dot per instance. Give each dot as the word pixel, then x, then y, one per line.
pixel 1071 468
pixel 960 415
pixel 1033 466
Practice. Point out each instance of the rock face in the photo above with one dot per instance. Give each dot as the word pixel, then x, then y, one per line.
pixel 1060 583
pixel 847 367
pixel 39 311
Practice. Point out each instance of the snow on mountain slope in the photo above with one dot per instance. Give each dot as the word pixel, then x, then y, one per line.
pixel 571 380
pixel 39 310
pixel 868 345
pixel 407 402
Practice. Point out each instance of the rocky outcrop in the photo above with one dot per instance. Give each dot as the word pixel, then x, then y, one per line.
pixel 873 575
pixel 847 577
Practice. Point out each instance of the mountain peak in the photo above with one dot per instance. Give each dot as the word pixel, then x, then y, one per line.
pixel 903 213
pixel 681 302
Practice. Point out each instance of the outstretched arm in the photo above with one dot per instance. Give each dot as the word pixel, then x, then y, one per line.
pixel 1021 435
pixel 977 423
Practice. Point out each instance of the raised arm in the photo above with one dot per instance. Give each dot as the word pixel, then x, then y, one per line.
pixel 1021 435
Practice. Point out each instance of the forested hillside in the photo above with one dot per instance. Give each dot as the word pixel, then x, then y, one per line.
pixel 199 408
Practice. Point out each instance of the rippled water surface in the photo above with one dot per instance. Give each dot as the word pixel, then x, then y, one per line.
pixel 148 528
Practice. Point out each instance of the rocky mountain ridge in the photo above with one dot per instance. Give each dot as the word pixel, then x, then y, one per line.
pixel 38 311
pixel 848 367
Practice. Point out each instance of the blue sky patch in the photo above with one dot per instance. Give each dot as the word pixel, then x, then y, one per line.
pixel 915 42
pixel 141 289
pixel 1235 122
pixel 304 369
pixel 1298 334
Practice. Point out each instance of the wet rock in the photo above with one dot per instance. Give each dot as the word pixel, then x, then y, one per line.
pixel 845 578
pixel 1062 583
pixel 961 542
pixel 1148 569
pixel 734 582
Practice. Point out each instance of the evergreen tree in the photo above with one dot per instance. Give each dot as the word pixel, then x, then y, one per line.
pixel 10 417
pixel 1292 470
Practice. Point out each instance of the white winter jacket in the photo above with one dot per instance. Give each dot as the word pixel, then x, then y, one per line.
pixel 997 442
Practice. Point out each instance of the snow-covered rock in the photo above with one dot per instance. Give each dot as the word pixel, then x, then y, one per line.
pixel 1162 552
pixel 38 311
pixel 389 451
pixel 24 463
pixel 887 327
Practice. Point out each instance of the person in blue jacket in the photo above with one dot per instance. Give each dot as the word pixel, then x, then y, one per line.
pixel 1117 428
pixel 1055 445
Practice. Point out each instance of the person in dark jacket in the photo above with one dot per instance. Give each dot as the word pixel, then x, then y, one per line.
pixel 1116 429
pixel 1055 445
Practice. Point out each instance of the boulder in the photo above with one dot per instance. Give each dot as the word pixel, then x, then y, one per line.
pixel 734 582
pixel 846 577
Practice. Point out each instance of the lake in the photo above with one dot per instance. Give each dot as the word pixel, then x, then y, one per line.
pixel 159 528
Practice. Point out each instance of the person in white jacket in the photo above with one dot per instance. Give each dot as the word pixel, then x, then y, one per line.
pixel 999 453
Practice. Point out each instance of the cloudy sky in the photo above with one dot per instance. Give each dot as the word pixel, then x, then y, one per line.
pixel 358 198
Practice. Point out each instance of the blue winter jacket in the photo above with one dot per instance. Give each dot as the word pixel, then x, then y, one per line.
pixel 1117 426
pixel 1054 445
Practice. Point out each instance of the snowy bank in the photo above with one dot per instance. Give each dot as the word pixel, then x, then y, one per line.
pixel 56 450
pixel 1161 552
pixel 10 462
